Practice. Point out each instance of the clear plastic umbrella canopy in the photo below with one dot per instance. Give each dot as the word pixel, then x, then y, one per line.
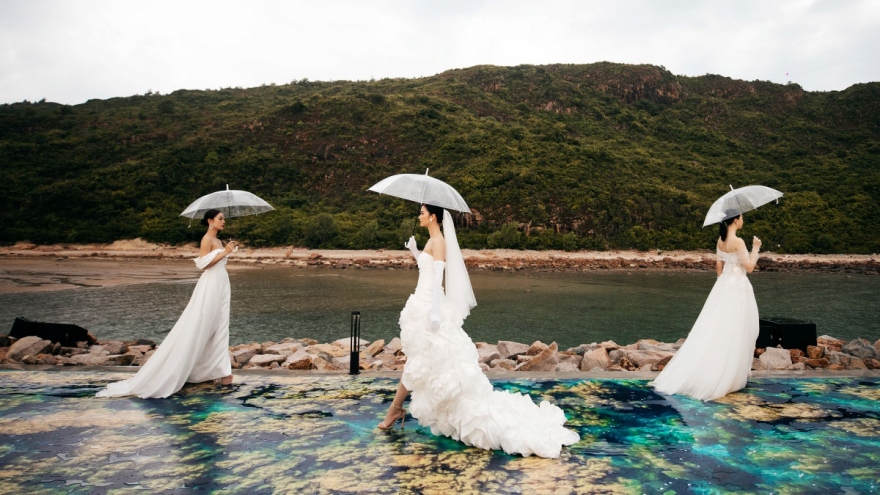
pixel 739 201
pixel 422 189
pixel 232 203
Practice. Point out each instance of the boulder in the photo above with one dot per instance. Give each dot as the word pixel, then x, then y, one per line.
pixel 322 364
pixel 815 352
pixel 285 349
pixel 626 364
pixel 3 352
pixel 142 348
pixel 300 360
pixel 243 356
pixel 484 367
pixel 145 342
pixel 536 348
pixel 343 362
pixel 660 365
pixel 506 364
pixel 653 345
pixel 877 345
pixel 508 349
pixel 757 364
pixel 816 363
pixel 146 357
pixel 597 358
pixel 101 358
pixel 796 355
pixel 264 347
pixel 861 349
pixel 265 359
pixel 797 366
pixel 775 358
pixel 308 342
pixel 616 355
pixel 487 353
pixel 39 359
pixel 566 367
pixel 28 346
pixel 329 349
pixel 543 361
pixel 6 341
pixel 375 348
pixel 71 351
pixel 641 358
pixel 830 343
pixel 583 348
pixel 252 346
pixel 346 343
pixel 609 345
pixel 845 360
pixel 112 347
pixel 872 364
pixel 394 346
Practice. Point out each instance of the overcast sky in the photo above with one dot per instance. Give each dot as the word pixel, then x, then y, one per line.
pixel 69 51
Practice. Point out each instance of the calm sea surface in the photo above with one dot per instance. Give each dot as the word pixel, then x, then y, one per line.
pixel 277 302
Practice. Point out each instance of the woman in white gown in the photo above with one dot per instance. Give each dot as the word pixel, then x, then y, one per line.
pixel 197 348
pixel 716 358
pixel 450 393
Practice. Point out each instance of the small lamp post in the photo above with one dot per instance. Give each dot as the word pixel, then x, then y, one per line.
pixel 355 344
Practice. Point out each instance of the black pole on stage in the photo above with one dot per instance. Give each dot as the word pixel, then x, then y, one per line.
pixel 355 344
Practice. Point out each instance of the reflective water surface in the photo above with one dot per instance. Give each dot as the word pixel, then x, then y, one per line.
pixel 301 433
pixel 570 308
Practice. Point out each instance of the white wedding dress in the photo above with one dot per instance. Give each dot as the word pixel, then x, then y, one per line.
pixel 716 358
pixel 452 396
pixel 196 349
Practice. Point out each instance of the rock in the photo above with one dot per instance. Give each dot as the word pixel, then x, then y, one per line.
pixel 146 357
pixel 285 349
pixel 5 341
pixel 508 349
pixel 872 364
pixel 342 362
pixel 609 345
pixel 322 364
pixel 757 364
pixel 394 346
pixel 3 352
pixel 536 348
pixel 877 345
pixel 775 358
pixel 83 344
pixel 252 346
pixel 330 349
pixel 71 351
pixel 566 367
pixel 308 342
pixel 274 365
pixel 266 345
pixel 660 365
pixel 836 367
pixel 583 349
pixel 346 344
pixel 816 363
pixel 145 342
pixel 815 352
pixel 300 360
pixel 113 347
pixel 487 353
pixel 759 351
pixel 597 358
pixel 796 355
pixel 616 355
pixel 507 364
pixel 543 361
pixel 641 358
pixel 39 359
pixel 101 358
pixel 28 346
pixel 830 343
pixel 375 348
pixel 141 348
pixel 243 356
pixel 861 349
pixel 626 364
pixel 797 366
pixel 845 360
pixel 265 359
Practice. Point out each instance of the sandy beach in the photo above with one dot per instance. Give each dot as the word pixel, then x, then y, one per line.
pixel 28 267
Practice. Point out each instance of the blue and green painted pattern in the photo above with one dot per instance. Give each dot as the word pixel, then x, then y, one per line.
pixel 316 434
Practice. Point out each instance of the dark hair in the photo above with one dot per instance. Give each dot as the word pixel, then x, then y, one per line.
pixel 722 227
pixel 209 215
pixel 435 210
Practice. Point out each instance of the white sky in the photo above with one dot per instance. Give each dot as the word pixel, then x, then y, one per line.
pixel 69 51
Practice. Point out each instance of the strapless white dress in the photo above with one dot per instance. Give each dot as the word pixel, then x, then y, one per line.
pixel 716 358
pixel 196 349
pixel 452 396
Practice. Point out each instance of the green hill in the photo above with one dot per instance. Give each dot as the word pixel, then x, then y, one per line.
pixel 561 156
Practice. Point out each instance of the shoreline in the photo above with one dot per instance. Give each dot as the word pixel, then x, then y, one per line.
pixel 27 267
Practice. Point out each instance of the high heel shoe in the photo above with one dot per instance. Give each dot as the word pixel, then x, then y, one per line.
pixel 396 413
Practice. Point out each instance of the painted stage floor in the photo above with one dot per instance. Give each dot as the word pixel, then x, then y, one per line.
pixel 285 433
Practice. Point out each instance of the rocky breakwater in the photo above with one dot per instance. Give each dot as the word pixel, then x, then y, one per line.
pixel 308 354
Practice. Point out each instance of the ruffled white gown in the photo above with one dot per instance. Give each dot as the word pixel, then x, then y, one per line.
pixel 196 349
pixel 452 396
pixel 716 358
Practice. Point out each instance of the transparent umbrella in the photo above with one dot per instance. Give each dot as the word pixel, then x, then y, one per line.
pixel 739 201
pixel 422 189
pixel 232 203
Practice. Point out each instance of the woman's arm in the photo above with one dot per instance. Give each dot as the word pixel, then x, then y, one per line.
pixel 749 262
pixel 719 265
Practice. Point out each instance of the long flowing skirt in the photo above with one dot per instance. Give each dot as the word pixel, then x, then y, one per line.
pixel 196 349
pixel 716 358
pixel 452 396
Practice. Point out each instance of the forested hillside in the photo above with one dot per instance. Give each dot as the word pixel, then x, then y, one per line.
pixel 599 156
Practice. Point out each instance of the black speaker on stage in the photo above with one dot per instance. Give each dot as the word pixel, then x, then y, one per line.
pixel 67 334
pixel 787 332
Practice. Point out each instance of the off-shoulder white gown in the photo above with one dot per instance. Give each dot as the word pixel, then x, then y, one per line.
pixel 452 396
pixel 196 349
pixel 716 358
